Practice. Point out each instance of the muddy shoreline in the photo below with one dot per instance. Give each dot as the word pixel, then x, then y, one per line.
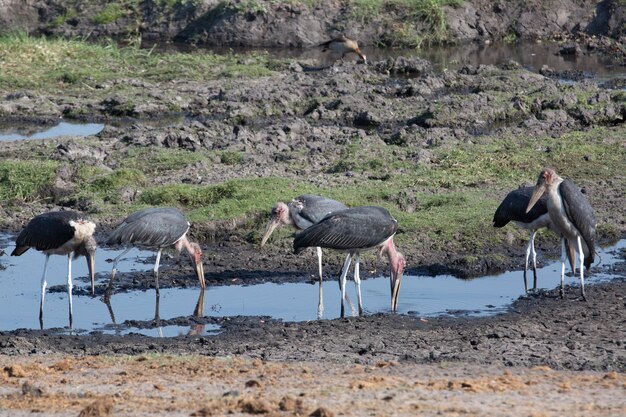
pixel 539 329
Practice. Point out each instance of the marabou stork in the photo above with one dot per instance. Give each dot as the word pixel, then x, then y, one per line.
pixel 156 228
pixel 303 212
pixel 572 217
pixel 513 209
pixel 59 233
pixel 356 230
pixel 344 46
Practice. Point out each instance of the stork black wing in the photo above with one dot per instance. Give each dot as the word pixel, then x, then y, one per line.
pixel 152 227
pixel 350 229
pixel 309 209
pixel 46 231
pixel 513 208
pixel 580 213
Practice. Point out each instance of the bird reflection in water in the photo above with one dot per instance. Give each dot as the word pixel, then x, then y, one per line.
pixel 195 329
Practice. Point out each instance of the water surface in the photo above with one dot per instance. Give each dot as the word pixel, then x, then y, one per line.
pixel 421 295
pixel 20 132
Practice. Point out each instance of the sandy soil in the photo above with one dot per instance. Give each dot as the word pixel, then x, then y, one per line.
pixel 200 386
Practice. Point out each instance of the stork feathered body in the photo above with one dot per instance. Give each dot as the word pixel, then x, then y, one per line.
pixel 59 233
pixel 301 213
pixel 513 209
pixel 156 228
pixel 572 217
pixel 356 230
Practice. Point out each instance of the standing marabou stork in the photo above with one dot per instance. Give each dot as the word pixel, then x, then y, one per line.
pixel 354 231
pixel 344 46
pixel 303 212
pixel 59 233
pixel 513 209
pixel 572 217
pixel 156 228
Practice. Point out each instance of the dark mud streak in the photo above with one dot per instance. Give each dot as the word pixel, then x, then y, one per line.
pixel 538 330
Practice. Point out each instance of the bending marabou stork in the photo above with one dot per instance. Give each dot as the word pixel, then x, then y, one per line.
pixel 573 218
pixel 344 46
pixel 59 233
pixel 356 230
pixel 156 228
pixel 513 209
pixel 303 212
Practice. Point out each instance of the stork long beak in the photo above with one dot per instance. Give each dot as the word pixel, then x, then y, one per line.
pixel 539 190
pixel 396 279
pixel 273 224
pixel 91 262
pixel 200 273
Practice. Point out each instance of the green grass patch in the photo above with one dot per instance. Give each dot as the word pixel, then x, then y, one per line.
pixel 104 186
pixel 231 157
pixel 429 14
pixel 29 62
pixel 25 181
pixel 109 14
pixel 187 195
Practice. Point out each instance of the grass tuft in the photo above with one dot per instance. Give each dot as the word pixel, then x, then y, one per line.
pixel 29 62
pixel 190 196
pixel 25 181
pixel 111 13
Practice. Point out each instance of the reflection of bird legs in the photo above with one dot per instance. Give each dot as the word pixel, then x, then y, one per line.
pixel 157 318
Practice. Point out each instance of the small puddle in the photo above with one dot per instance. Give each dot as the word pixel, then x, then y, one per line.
pixel 134 311
pixel 46 132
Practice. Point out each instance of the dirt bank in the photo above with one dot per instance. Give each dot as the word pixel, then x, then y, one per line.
pixel 279 24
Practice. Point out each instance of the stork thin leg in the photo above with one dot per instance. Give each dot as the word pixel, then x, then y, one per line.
pixel 156 288
pixel 320 303
pixel 562 290
pixel 109 291
pixel 526 264
pixel 69 283
pixel 156 270
pixel 357 284
pixel 44 284
pixel 347 297
pixel 342 281
pixel 534 253
pixel 582 268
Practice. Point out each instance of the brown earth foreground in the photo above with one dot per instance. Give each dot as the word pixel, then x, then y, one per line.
pixel 200 386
